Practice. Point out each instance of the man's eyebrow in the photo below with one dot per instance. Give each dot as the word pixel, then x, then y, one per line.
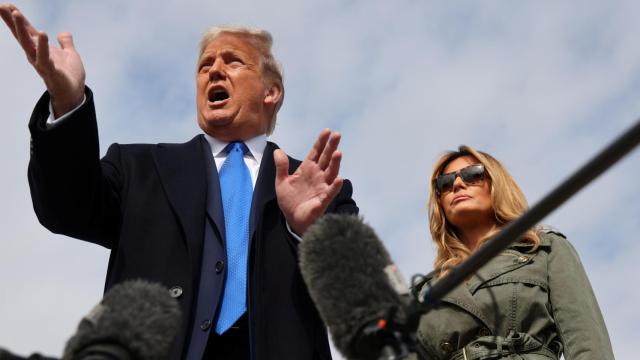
pixel 235 52
pixel 209 56
pixel 205 57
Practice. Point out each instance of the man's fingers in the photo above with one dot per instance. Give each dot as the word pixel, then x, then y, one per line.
pixel 318 146
pixel 329 148
pixel 282 165
pixel 66 40
pixel 334 167
pixel 23 35
pixel 333 190
pixel 42 51
pixel 5 13
pixel 24 22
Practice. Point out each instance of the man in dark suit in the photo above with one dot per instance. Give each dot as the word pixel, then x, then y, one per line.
pixel 216 219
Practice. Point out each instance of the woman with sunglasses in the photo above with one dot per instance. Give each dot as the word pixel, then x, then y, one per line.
pixel 533 301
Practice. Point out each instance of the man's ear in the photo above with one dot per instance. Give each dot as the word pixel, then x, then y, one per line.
pixel 273 94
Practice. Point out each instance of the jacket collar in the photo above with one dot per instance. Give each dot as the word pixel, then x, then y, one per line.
pixel 255 145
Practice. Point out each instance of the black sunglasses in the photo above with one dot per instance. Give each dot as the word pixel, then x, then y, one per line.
pixel 471 175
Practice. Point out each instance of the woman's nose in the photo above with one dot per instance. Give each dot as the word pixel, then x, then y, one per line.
pixel 458 183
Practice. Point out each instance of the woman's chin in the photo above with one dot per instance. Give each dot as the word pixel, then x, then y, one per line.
pixel 468 216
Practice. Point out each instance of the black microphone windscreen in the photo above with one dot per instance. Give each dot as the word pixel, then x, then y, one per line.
pixel 137 317
pixel 343 264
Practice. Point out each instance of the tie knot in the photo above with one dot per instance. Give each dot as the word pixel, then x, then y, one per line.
pixel 237 146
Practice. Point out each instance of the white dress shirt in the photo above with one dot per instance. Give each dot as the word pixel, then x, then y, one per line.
pixel 253 158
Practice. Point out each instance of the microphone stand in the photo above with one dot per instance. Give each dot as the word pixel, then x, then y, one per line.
pixel 583 176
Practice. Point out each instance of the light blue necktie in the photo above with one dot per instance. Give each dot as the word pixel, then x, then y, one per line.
pixel 237 191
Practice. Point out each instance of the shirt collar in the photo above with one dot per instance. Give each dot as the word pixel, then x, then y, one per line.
pixel 256 146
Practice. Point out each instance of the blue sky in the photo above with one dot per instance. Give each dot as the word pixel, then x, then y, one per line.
pixel 541 85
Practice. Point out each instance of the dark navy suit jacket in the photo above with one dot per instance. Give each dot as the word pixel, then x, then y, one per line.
pixel 157 207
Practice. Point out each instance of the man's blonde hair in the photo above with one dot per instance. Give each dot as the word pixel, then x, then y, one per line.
pixel 262 41
pixel 507 200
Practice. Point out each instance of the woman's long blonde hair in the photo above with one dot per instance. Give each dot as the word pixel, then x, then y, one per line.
pixel 507 200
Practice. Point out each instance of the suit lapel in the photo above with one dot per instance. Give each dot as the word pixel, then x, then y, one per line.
pixel 265 189
pixel 214 195
pixel 181 168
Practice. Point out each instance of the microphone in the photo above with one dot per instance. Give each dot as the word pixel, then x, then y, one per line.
pixel 6 355
pixel 357 289
pixel 136 319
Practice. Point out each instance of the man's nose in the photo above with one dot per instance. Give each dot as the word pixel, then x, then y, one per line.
pixel 217 71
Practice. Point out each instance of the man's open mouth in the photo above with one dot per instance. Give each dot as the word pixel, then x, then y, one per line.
pixel 218 95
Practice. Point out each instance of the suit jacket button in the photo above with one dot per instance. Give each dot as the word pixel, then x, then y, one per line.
pixel 219 266
pixel 175 292
pixel 446 347
pixel 523 259
pixel 206 325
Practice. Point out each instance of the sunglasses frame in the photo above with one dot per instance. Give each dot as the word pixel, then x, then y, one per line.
pixel 459 173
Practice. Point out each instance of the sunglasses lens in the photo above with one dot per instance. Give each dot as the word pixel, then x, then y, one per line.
pixel 445 182
pixel 472 174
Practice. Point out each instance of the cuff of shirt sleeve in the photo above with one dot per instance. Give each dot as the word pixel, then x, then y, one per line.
pixel 52 121
pixel 296 236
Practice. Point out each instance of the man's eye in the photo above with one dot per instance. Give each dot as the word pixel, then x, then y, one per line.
pixel 205 68
pixel 235 61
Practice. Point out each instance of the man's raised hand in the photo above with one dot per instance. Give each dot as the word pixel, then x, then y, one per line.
pixel 305 195
pixel 60 68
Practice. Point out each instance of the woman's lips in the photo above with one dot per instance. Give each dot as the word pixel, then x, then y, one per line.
pixel 460 198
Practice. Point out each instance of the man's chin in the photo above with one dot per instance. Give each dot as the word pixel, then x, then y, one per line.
pixel 221 130
pixel 214 123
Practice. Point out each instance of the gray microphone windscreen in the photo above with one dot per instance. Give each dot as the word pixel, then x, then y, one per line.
pixel 135 317
pixel 343 264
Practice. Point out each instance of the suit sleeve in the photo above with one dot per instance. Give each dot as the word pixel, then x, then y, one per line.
pixel 73 192
pixel 344 203
pixel 575 308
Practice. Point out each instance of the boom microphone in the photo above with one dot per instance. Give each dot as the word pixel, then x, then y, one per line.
pixel 357 289
pixel 135 320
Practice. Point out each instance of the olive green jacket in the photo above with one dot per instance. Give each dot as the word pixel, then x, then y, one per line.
pixel 523 304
